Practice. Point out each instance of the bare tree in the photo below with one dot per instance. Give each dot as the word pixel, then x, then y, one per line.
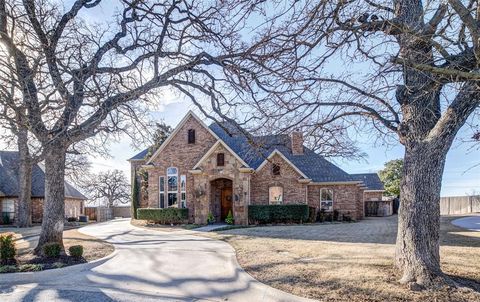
pixel 78 79
pixel 406 68
pixel 108 188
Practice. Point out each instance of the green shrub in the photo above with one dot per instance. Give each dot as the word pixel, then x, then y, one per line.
pixel 163 216
pixel 210 218
pixel 30 267
pixel 312 214
pixel 52 250
pixel 71 219
pixel 284 213
pixel 229 219
pixel 76 251
pixel 7 248
pixel 8 269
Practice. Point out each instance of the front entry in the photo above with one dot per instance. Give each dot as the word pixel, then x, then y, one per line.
pixel 226 202
pixel 221 200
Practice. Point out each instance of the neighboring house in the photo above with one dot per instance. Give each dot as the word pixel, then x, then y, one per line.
pixel 9 188
pixel 209 170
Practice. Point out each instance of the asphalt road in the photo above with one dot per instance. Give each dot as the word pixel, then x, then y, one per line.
pixel 147 265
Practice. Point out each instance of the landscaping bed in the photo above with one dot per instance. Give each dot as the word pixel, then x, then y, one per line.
pixel 26 261
pixel 350 261
pixel 163 227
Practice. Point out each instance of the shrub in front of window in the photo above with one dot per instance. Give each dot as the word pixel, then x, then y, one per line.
pixel 163 216
pixel 7 248
pixel 285 213
pixel 52 250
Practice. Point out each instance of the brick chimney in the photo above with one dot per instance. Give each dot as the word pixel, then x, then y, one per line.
pixel 297 142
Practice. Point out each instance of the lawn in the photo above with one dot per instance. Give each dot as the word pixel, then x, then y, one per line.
pixel 349 262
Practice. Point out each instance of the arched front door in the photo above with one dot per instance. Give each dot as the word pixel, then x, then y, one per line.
pixel 221 197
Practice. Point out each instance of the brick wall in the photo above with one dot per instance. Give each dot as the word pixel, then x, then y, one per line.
pixel 293 191
pixel 297 142
pixel 372 195
pixel 178 153
pixel 347 199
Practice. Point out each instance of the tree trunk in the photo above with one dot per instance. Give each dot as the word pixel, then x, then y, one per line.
pixel 24 218
pixel 417 249
pixel 54 206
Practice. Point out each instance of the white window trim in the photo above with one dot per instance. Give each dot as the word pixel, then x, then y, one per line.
pixel 326 200
pixel 168 189
pixel 161 192
pixel 269 200
pixel 183 191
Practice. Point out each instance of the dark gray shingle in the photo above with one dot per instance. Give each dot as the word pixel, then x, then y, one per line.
pixel 9 178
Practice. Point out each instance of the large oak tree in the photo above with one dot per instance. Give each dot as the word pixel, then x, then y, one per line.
pixel 407 68
pixel 77 78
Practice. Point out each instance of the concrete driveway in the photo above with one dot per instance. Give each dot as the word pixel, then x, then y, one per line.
pixel 470 223
pixel 147 265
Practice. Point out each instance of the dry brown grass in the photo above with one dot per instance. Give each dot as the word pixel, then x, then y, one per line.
pixel 349 262
pixel 26 239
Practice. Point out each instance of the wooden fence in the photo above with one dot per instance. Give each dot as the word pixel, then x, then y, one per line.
pixel 100 214
pixel 459 205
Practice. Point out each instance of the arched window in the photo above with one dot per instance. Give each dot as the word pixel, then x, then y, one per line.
pixel 191 136
pixel 326 199
pixel 221 159
pixel 275 195
pixel 172 186
pixel 275 169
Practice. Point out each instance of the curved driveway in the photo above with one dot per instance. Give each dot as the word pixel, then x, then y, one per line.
pixel 471 223
pixel 147 265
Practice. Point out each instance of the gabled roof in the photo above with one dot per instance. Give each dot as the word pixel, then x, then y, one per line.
pixel 212 149
pixel 311 164
pixel 371 180
pixel 174 133
pixel 140 155
pixel 9 178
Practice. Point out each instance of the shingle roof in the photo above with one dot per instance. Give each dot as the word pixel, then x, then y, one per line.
pixel 313 165
pixel 371 180
pixel 9 184
pixel 139 156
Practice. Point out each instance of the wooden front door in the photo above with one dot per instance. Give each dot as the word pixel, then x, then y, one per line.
pixel 226 202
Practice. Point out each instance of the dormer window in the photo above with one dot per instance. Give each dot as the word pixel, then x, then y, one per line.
pixel 275 169
pixel 191 136
pixel 221 159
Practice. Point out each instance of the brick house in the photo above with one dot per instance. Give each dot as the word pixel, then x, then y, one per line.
pixel 209 170
pixel 74 200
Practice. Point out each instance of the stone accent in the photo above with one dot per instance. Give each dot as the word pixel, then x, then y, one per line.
pixel 293 191
pixel 178 153
pixel 297 142
pixel 347 199
pixel 212 177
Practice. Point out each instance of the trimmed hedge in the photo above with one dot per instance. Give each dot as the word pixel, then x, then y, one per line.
pixel 285 213
pixel 163 216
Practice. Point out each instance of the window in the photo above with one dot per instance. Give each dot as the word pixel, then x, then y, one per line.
pixel 191 136
pixel 183 191
pixel 172 187
pixel 326 200
pixel 275 195
pixel 220 159
pixel 161 187
pixel 8 210
pixel 275 169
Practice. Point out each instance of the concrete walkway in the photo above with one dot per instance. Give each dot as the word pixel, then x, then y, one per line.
pixel 470 223
pixel 147 265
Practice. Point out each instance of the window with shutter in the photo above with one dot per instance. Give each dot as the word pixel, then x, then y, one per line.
pixel 220 159
pixel 191 136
